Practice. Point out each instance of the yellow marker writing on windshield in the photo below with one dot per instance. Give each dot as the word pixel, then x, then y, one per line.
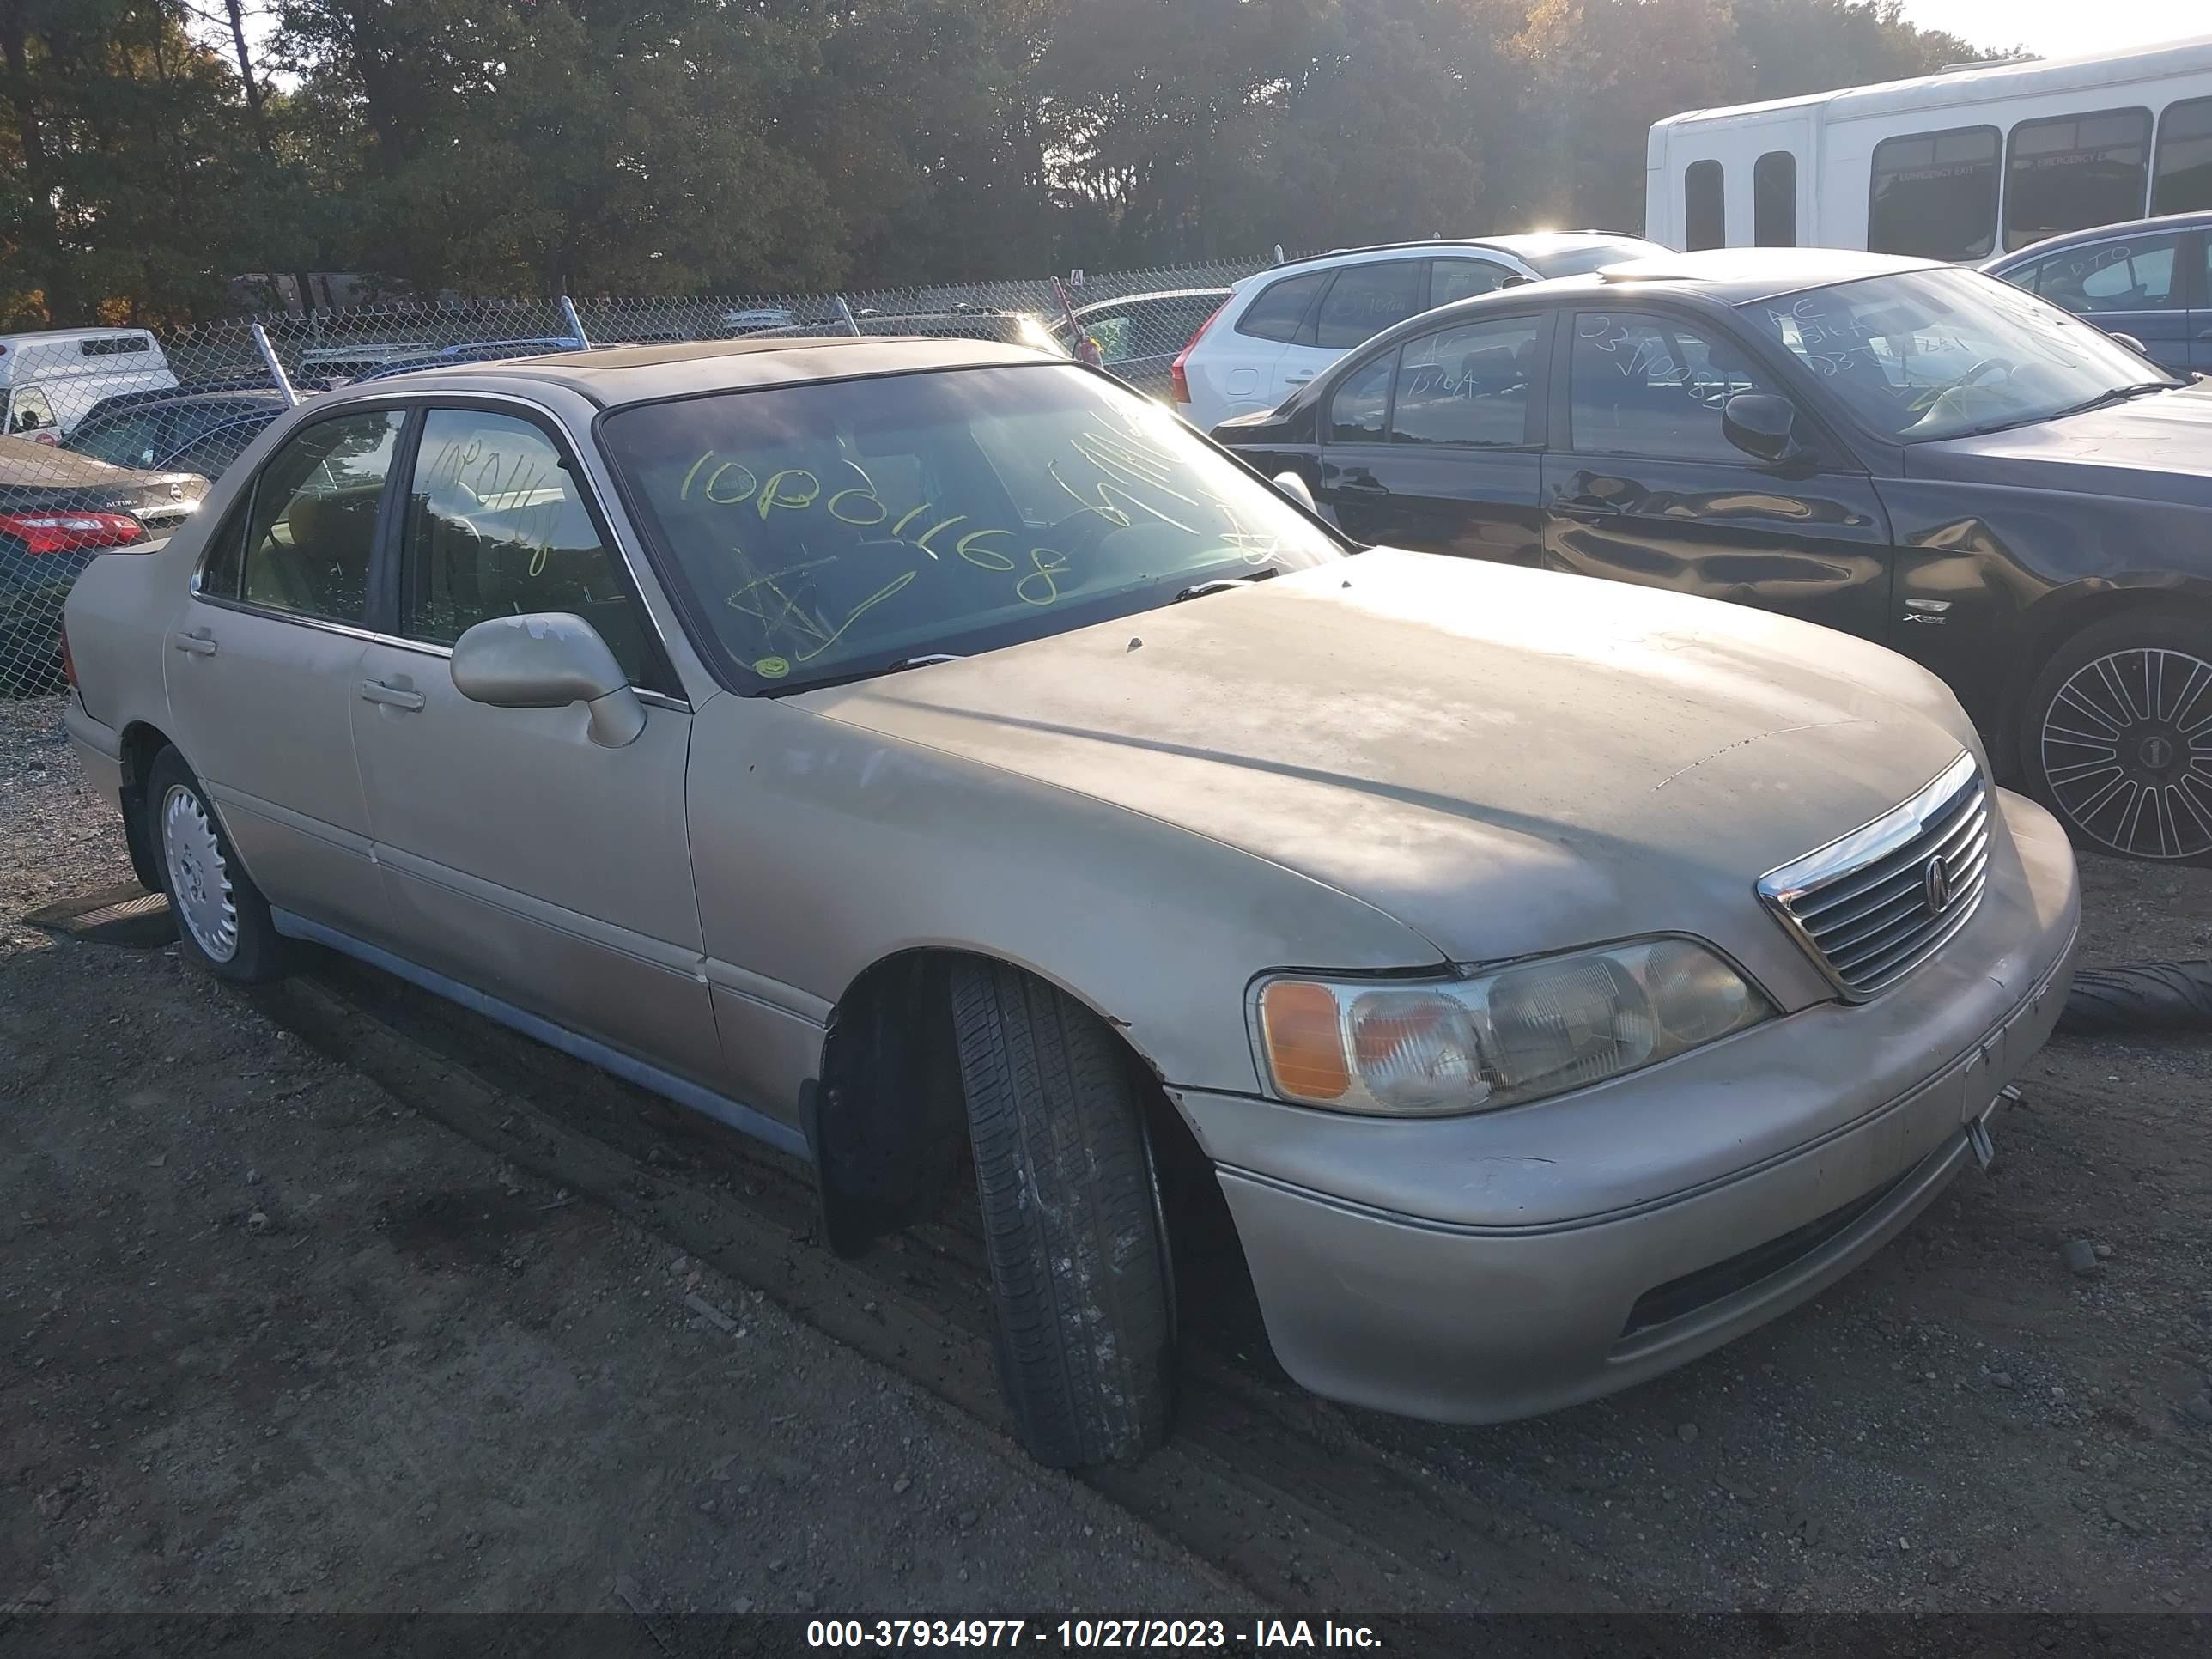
pixel 774 494
pixel 867 495
pixel 984 558
pixel 771 668
pixel 1038 588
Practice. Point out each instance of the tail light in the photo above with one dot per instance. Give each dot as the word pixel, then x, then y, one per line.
pixel 1176 377
pixel 71 533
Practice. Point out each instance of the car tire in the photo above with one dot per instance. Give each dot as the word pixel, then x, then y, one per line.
pixel 1078 1253
pixel 222 920
pixel 2116 738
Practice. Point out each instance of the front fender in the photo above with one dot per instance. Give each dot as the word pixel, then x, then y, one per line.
pixel 820 849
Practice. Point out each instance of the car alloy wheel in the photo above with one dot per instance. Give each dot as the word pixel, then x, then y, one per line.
pixel 199 879
pixel 2127 753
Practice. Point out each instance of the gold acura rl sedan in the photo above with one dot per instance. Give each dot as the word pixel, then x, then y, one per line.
pixel 907 750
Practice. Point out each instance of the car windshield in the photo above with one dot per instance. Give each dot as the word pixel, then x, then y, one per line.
pixel 840 528
pixel 1939 354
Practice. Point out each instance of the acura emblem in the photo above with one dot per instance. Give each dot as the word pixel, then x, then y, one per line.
pixel 1935 885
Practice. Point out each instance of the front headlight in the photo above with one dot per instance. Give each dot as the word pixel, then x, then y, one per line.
pixel 1426 1047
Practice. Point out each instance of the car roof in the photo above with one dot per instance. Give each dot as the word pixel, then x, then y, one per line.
pixel 1736 276
pixel 1520 243
pixel 2064 239
pixel 613 375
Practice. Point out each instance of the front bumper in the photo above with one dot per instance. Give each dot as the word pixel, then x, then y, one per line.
pixel 1480 1268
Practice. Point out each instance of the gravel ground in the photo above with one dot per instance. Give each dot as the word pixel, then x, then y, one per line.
pixel 271 1341
pixel 423 1381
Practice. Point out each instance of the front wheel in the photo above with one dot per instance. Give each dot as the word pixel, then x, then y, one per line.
pixel 1078 1253
pixel 2117 737
pixel 222 920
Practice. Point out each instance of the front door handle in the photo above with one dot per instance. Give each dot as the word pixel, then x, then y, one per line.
pixel 1296 380
pixel 1584 507
pixel 196 644
pixel 390 696
pixel 1363 484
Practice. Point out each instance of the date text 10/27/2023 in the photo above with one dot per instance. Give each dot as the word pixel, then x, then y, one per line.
pixel 1087 1635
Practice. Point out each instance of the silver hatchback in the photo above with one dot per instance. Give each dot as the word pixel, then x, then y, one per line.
pixel 913 751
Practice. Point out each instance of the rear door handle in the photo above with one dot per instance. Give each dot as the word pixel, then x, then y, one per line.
pixel 198 645
pixel 1296 380
pixel 390 696
pixel 1364 485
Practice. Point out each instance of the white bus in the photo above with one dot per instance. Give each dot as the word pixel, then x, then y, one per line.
pixel 1959 166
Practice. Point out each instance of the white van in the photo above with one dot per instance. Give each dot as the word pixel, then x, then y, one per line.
pixel 53 380
pixel 1959 166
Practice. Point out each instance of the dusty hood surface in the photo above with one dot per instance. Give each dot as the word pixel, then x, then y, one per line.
pixel 2155 447
pixel 1504 760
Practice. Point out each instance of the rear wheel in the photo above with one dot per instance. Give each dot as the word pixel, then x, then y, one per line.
pixel 222 920
pixel 1078 1252
pixel 2116 738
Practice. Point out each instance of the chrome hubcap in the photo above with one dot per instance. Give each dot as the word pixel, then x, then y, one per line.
pixel 199 880
pixel 2127 747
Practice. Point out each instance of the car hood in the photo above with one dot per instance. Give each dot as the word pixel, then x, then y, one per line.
pixel 2156 447
pixel 1506 761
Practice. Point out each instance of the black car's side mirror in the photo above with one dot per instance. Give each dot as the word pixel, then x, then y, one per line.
pixel 1760 423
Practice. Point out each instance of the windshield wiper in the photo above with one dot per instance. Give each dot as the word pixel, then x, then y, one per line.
pixel 1223 584
pixel 2118 394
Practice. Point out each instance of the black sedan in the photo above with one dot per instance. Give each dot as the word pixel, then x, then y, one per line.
pixel 1918 454
pixel 58 510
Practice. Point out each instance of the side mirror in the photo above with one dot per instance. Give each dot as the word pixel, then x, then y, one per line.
pixel 2130 342
pixel 1294 485
pixel 1759 424
pixel 1517 280
pixel 549 659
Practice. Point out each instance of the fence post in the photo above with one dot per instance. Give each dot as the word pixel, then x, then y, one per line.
pixel 276 369
pixel 851 323
pixel 575 323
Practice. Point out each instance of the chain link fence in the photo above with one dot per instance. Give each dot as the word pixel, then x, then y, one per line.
pixel 112 436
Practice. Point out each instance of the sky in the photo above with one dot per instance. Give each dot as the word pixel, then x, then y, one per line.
pixel 2062 28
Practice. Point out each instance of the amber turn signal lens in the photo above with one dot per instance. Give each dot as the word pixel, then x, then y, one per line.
pixel 1304 1036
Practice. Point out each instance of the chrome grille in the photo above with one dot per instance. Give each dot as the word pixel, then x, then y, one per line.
pixel 1874 906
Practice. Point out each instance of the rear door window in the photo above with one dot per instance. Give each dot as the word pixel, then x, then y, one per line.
pixel 1364 300
pixel 1279 311
pixel 1467 386
pixel 1360 411
pixel 2138 274
pixel 313 522
pixel 1462 279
